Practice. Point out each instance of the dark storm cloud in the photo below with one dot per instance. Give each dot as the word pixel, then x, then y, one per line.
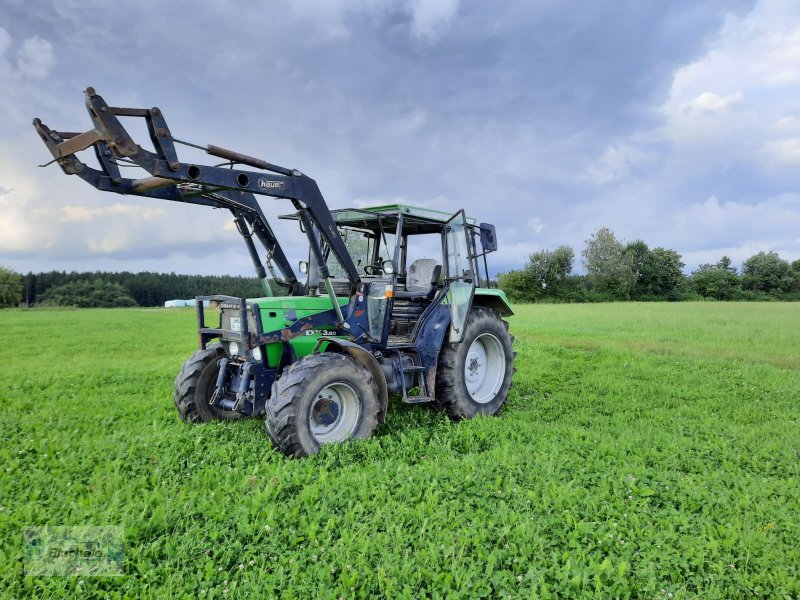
pixel 518 111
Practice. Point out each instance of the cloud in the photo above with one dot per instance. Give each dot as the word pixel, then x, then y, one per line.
pixel 725 104
pixel 334 21
pixel 777 217
pixel 782 152
pixel 430 18
pixel 710 102
pixel 536 225
pixel 5 41
pixel 547 119
pixel 48 214
pixel 23 65
pixel 35 57
pixel 616 164
pixel 716 172
pixel 85 214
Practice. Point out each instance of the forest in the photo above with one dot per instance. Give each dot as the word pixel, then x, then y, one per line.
pixel 110 290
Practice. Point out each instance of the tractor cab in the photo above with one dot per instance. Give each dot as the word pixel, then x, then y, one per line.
pixel 409 259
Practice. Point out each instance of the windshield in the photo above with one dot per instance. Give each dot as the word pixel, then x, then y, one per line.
pixel 360 245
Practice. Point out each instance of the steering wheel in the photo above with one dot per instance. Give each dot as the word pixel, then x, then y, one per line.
pixel 373 270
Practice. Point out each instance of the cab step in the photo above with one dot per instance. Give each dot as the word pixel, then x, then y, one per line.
pixel 416 399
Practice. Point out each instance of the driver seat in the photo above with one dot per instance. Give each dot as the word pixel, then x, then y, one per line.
pixel 421 281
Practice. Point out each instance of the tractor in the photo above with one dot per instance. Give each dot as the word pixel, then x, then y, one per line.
pixel 391 299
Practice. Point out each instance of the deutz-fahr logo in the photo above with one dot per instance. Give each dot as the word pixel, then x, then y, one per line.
pixel 266 184
pixel 229 305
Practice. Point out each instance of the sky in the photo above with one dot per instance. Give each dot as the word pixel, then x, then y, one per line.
pixel 673 122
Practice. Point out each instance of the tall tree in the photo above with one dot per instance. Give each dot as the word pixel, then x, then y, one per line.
pixel 10 287
pixel 713 281
pixel 547 269
pixel 767 272
pixel 666 272
pixel 659 272
pixel 726 263
pixel 610 268
pixel 639 254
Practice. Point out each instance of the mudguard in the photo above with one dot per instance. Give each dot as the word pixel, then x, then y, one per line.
pixel 493 298
pixel 362 357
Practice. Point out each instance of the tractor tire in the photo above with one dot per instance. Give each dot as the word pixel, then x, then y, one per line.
pixel 473 376
pixel 194 385
pixel 321 398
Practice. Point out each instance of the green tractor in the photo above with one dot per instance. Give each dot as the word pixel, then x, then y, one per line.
pixel 391 300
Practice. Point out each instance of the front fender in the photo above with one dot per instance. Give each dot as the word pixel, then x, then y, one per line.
pixel 365 359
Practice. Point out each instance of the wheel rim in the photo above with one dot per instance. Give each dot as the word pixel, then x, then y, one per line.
pixel 335 413
pixel 485 368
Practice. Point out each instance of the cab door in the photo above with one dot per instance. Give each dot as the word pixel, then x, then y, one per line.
pixel 460 278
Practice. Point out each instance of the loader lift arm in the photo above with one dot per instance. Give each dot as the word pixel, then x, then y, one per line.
pixel 215 186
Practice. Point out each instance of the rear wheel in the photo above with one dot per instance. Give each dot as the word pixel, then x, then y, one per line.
pixel 195 384
pixel 473 377
pixel 320 399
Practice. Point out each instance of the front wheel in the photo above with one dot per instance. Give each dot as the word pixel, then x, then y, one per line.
pixel 195 384
pixel 321 399
pixel 473 376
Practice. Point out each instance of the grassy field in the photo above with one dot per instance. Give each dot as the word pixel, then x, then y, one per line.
pixel 648 450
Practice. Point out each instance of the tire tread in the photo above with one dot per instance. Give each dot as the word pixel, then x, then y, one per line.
pixel 282 420
pixel 451 392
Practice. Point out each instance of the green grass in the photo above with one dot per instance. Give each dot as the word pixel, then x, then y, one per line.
pixel 648 450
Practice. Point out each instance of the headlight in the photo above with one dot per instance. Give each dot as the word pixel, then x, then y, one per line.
pixel 233 348
pixel 257 353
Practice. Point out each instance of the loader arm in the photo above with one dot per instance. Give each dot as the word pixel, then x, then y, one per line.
pixel 215 186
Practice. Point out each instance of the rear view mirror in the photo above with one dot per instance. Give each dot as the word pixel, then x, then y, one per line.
pixel 488 237
pixel 303 267
pixel 388 267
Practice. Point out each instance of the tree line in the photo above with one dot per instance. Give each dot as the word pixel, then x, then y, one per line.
pixel 616 271
pixel 108 289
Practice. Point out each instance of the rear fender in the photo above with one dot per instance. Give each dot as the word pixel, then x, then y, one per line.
pixel 493 298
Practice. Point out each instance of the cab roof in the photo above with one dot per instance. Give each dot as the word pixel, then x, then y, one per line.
pixel 416 219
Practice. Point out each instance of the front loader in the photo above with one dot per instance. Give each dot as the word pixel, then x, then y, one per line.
pixel 395 299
